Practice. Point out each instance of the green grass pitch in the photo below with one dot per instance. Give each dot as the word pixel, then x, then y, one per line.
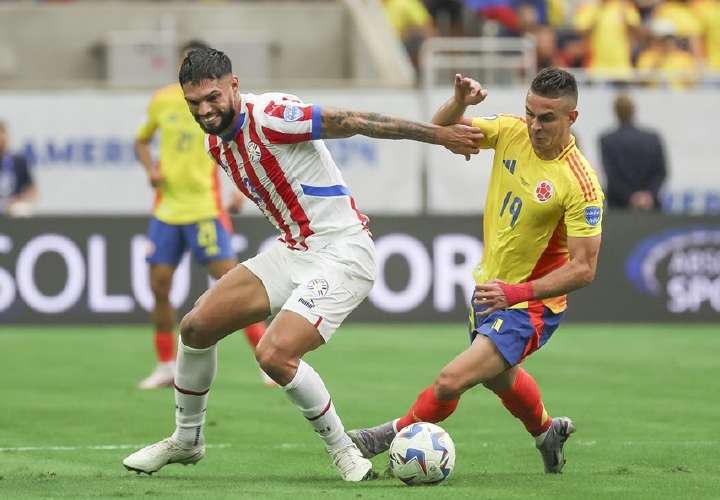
pixel 645 400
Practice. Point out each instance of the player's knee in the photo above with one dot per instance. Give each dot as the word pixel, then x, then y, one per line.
pixel 448 385
pixel 160 287
pixel 194 329
pixel 275 362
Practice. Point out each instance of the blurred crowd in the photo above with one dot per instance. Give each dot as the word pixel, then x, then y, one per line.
pixel 670 41
pixel 674 42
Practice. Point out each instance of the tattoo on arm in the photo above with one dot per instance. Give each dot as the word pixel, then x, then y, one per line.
pixel 338 123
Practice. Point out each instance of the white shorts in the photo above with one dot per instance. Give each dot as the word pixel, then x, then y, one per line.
pixel 324 286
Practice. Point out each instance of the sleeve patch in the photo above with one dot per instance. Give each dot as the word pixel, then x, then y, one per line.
pixel 292 113
pixel 593 215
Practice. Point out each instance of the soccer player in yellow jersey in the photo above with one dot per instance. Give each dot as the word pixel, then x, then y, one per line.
pixel 188 214
pixel 541 230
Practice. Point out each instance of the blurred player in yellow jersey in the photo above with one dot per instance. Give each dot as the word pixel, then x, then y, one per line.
pixel 541 230
pixel 188 214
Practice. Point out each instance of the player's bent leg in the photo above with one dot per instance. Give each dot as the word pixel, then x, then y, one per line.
pixel 279 354
pixel 253 332
pixel 520 394
pixel 236 300
pixel 163 317
pixel 479 362
pixel 476 364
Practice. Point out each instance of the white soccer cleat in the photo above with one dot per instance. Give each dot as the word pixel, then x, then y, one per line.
pixel 351 464
pixel 156 456
pixel 162 376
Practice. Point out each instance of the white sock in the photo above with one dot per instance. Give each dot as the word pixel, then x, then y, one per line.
pixel 196 370
pixel 308 392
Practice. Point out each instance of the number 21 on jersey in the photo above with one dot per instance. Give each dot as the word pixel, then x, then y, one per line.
pixel 513 207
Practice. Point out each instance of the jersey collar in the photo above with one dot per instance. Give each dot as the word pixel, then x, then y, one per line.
pixel 229 137
pixel 567 149
pixel 240 121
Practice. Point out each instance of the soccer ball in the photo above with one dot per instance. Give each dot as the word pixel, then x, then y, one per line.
pixel 422 453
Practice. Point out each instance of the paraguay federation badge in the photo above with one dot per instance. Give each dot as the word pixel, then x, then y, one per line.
pixel 544 191
pixel 318 287
pixel 253 151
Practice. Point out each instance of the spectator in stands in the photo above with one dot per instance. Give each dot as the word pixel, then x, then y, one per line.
pixel 502 12
pixel 609 27
pixel 708 14
pixel 665 56
pixel 447 16
pixel 686 26
pixel 412 22
pixel 546 47
pixel 17 189
pixel 634 162
pixel 571 51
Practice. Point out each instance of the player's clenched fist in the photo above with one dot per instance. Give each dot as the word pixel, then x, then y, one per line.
pixel 491 295
pixel 468 92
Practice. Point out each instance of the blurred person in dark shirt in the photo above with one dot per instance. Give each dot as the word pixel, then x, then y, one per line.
pixel 634 162
pixel 448 16
pixel 17 189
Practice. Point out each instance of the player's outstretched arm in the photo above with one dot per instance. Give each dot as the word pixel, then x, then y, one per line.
pixel 467 92
pixel 338 123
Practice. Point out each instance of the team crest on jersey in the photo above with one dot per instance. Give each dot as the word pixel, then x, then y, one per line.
pixel 318 287
pixel 253 151
pixel 544 191
pixel 292 113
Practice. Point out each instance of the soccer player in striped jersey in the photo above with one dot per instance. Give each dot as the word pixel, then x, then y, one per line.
pixel 321 268
pixel 188 214
pixel 541 229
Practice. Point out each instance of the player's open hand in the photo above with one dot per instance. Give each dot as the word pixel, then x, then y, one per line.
pixel 155 177
pixel 461 139
pixel 468 92
pixel 491 296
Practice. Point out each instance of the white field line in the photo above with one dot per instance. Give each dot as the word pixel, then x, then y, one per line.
pixel 100 447
pixel 649 442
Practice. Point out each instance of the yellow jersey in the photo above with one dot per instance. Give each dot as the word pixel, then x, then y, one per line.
pixel 708 13
pixel 406 14
pixel 532 206
pixel 678 64
pixel 190 192
pixel 608 24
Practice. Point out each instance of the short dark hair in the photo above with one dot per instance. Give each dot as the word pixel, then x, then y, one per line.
pixel 554 83
pixel 204 64
pixel 624 109
pixel 191 45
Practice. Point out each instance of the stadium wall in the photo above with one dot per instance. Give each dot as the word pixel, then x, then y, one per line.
pixel 81 143
pixel 653 268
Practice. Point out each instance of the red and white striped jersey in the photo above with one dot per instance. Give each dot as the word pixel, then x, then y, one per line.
pixel 275 157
